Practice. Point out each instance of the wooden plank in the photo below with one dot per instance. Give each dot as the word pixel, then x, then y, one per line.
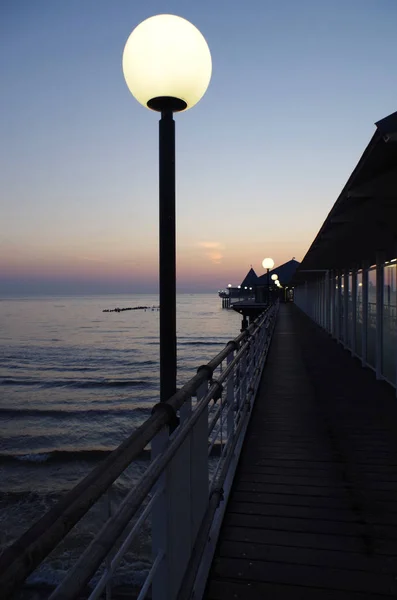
pixel 384 523
pixel 308 556
pixel 225 590
pixel 295 524
pixel 304 575
pixel 293 538
pixel 295 490
pixel 289 499
pixel 302 512
pixel 290 480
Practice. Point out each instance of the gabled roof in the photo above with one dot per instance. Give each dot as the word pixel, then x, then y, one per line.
pixel 363 220
pixel 285 273
pixel 250 279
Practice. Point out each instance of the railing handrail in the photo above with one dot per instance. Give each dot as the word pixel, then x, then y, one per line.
pixel 19 560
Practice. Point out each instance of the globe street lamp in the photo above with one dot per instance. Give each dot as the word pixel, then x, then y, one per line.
pixel 268 263
pixel 167 67
pixel 274 277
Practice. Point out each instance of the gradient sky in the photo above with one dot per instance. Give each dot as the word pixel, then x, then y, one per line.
pixel 295 91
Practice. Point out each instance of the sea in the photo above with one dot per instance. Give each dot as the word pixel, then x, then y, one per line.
pixel 74 383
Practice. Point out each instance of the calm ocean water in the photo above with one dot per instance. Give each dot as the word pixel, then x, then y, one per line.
pixel 74 382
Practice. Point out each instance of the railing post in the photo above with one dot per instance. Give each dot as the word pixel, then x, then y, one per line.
pixel 365 314
pixel 380 275
pixel 354 312
pixel 242 380
pixel 177 514
pixel 160 529
pixel 199 481
pixel 230 398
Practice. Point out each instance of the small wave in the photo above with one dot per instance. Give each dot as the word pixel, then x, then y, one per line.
pixel 75 383
pixel 195 343
pixel 39 458
pixel 63 456
pixel 67 414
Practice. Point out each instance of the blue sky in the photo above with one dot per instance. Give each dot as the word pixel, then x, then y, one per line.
pixel 295 91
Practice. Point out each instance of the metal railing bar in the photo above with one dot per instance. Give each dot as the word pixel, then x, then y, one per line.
pixel 215 419
pixel 123 548
pixel 213 440
pixel 150 576
pixel 108 561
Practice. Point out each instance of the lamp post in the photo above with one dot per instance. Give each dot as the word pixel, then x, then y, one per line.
pixel 268 263
pixel 167 67
pixel 274 278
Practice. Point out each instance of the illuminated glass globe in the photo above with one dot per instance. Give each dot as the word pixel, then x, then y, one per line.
pixel 268 263
pixel 167 63
pixel 274 277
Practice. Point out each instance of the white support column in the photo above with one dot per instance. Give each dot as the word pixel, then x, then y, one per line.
pixel 338 306
pixel 327 302
pixel 315 300
pixel 322 301
pixel 364 332
pixel 380 282
pixel 346 308
pixel 306 299
pixel 333 304
pixel 354 311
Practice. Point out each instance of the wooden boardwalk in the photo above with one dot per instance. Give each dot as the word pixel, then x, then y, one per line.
pixel 313 510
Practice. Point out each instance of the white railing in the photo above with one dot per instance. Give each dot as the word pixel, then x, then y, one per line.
pixel 196 438
pixel 358 308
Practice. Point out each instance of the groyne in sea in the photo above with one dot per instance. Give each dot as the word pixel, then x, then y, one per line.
pixel 106 310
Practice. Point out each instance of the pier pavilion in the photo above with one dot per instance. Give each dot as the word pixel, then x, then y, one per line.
pixel 274 469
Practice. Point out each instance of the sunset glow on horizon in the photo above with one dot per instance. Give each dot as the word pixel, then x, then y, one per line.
pixel 295 92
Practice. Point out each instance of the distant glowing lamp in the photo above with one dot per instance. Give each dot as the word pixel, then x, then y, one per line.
pixel 274 277
pixel 229 285
pixel 268 263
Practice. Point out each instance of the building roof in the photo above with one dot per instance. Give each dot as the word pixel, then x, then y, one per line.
pixel 250 279
pixel 285 273
pixel 363 220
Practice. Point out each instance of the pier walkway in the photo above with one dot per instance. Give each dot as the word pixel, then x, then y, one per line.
pixel 313 511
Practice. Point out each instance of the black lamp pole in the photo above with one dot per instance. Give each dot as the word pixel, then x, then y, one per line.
pixel 167 251
pixel 268 286
pixel 167 246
